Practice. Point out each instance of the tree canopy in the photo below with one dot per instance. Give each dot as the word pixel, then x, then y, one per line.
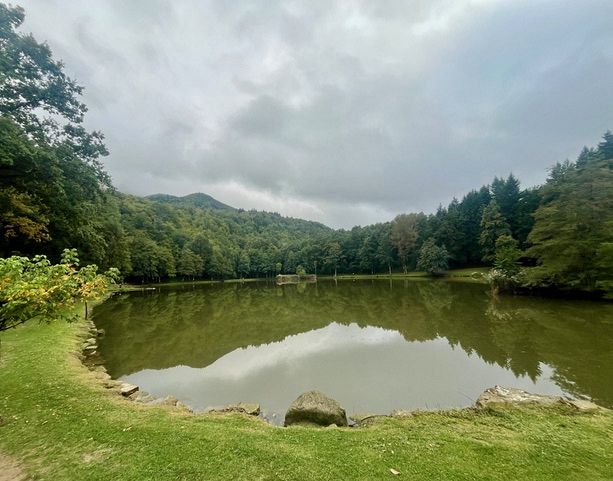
pixel 572 237
pixel 433 259
pixel 55 193
pixel 35 288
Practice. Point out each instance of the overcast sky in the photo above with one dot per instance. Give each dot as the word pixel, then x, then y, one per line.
pixel 345 112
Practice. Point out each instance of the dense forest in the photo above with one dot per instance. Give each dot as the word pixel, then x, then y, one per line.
pixel 55 193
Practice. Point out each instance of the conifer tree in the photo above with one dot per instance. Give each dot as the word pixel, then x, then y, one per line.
pixel 493 225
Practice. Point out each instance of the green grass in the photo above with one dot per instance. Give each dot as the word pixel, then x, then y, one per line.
pixel 471 274
pixel 61 424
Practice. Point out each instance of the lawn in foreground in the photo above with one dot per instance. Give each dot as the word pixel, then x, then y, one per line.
pixel 62 424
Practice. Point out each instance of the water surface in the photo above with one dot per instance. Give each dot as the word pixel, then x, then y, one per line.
pixel 374 346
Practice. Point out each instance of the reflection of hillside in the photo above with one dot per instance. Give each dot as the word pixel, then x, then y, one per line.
pixel 196 326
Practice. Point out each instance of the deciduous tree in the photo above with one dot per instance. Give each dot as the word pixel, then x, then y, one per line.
pixel 35 288
pixel 433 259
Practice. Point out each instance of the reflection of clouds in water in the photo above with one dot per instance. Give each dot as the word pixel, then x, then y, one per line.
pixel 244 362
pixel 367 369
pixel 334 337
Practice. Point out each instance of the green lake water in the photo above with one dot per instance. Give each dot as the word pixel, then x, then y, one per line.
pixel 374 346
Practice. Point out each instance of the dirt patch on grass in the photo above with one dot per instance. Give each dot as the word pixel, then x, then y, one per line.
pixel 96 456
pixel 10 470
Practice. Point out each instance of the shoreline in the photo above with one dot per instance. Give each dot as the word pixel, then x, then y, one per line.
pixel 86 431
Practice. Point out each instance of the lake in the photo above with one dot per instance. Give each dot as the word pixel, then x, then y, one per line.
pixel 374 346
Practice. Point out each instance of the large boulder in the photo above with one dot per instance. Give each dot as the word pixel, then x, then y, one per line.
pixel 516 397
pixel 314 407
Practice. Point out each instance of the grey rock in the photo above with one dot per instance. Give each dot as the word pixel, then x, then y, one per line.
pixel 251 409
pixel 515 397
pixel 144 397
pixel 502 395
pixel 583 405
pixel 314 407
pixel 165 401
pixel 127 389
pixel 184 407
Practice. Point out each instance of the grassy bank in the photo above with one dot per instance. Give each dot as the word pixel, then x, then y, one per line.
pixel 471 274
pixel 60 423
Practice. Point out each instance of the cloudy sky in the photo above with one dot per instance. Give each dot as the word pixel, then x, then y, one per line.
pixel 347 112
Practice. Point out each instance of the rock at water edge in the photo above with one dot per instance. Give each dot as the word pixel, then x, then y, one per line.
pixel 127 389
pixel 505 395
pixel 314 407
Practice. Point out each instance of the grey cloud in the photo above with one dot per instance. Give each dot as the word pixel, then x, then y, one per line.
pixel 344 112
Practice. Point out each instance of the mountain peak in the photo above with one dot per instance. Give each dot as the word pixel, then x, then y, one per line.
pixel 197 199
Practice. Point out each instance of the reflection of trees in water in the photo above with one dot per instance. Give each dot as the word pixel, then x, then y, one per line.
pixel 194 326
pixel 510 331
pixel 437 298
pixel 570 337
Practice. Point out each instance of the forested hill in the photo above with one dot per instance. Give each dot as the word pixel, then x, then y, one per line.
pixel 197 199
pixel 55 194
pixel 162 239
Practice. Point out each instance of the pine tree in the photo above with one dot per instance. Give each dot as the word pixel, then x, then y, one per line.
pixel 507 195
pixel 605 147
pixel 572 238
pixel 493 225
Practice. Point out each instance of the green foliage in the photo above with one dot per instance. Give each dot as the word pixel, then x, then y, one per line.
pixel 29 77
pixel 452 231
pixel 190 265
pixel 572 238
pixel 507 195
pixel 301 271
pixel 529 201
pixel 493 225
pixel 605 147
pixel 333 254
pixel 404 236
pixel 501 281
pixel 150 261
pixel 36 288
pixel 507 255
pixel 433 259
pixel 53 189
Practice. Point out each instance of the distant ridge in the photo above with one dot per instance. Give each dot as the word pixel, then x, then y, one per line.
pixel 198 199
